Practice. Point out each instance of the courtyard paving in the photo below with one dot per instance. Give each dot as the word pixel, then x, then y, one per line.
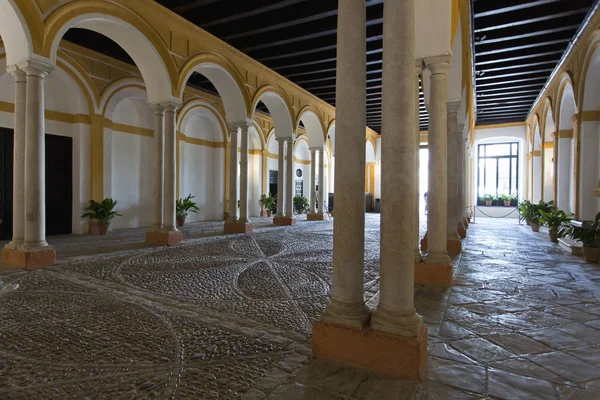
pixel 230 317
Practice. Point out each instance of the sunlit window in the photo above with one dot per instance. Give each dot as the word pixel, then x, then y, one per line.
pixel 498 166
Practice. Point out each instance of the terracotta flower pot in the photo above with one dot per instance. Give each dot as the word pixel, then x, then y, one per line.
pixel 591 254
pixel 269 213
pixel 301 211
pixel 553 236
pixel 534 227
pixel 488 203
pixel 95 227
pixel 506 203
pixel 180 221
pixel 528 221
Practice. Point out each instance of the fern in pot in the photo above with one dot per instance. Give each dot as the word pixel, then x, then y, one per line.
pixel 557 222
pixel 101 215
pixel 183 207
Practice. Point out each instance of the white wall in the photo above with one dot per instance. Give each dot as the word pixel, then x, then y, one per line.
pixel 130 163
pixel 590 170
pixel 548 174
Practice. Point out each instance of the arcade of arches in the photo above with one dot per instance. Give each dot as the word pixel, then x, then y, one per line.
pixel 335 303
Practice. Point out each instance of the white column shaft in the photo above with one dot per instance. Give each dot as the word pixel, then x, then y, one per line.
pixel 313 179
pixel 460 204
pixel 438 191
pixel 244 174
pixel 322 191
pixel 35 179
pixel 396 312
pixel 19 159
pixel 233 169
pixel 452 183
pixel 417 250
pixel 347 305
pixel 290 185
pixel 281 177
pixel 170 168
pixel 159 165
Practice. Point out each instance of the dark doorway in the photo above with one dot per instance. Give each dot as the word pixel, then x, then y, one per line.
pixel 273 175
pixel 59 184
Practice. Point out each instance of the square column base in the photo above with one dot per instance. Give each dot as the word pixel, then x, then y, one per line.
pixel 427 274
pixel 238 227
pixel 453 246
pixel 284 221
pixel 164 238
pixel 29 259
pixel 316 217
pixel 462 232
pixel 377 351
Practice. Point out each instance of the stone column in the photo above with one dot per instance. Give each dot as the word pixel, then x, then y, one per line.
pixel 289 195
pixel 18 158
pixel 438 192
pixel 418 256
pixel 396 311
pixel 453 244
pixel 347 306
pixel 322 187
pixel 171 235
pixel 244 174
pixel 460 204
pixel 281 177
pixel 233 169
pixel 159 165
pixel 313 180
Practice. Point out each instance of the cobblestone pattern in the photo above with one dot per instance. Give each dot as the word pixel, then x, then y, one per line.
pixel 231 318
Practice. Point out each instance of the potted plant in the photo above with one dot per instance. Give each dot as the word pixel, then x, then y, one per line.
pixel 524 207
pixel 589 235
pixel 101 215
pixel 267 202
pixel 300 204
pixel 514 200
pixel 534 213
pixel 506 199
pixel 488 198
pixel 183 207
pixel 558 223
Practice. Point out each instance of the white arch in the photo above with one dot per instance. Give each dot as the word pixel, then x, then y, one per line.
pixel 331 137
pixel 14 33
pixel 549 126
pixel 226 85
pixel 135 43
pixel 549 129
pixel 370 152
pixel 279 113
pixel 126 89
pixel 314 129
pixel 565 184
pixel 567 107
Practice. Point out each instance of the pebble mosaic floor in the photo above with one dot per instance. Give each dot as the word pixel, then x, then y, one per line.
pixel 230 318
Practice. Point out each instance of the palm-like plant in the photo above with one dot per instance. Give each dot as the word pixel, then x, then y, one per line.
pixel 103 211
pixel 186 206
pixel 558 223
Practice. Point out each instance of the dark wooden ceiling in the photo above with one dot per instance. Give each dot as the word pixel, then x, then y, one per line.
pixel 517 45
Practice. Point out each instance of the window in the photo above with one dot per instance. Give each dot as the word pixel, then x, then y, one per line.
pixel 498 169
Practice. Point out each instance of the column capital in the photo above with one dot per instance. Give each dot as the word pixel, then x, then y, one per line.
pixel 438 64
pixel 453 107
pixel 281 140
pixel 313 150
pixel 171 104
pixel 157 108
pixel 418 66
pixel 39 67
pixel 17 73
pixel 575 118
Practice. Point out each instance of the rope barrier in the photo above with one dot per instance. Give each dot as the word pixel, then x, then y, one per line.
pixel 491 216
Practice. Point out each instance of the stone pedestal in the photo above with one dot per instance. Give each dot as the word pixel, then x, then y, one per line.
pixel 462 232
pixel 316 217
pixel 263 213
pixel 29 259
pixel 284 221
pixel 426 274
pixel 453 246
pixel 164 238
pixel 238 227
pixel 382 352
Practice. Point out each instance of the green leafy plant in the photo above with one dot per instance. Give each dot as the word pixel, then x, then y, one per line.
pixel 268 201
pixel 557 221
pixel 186 206
pixel 589 235
pixel 524 210
pixel 488 197
pixel 504 197
pixel 300 203
pixel 103 211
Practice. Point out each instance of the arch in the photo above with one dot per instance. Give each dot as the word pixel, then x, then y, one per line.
pixel 279 107
pixel 225 77
pixel 92 99
pixel 566 103
pixel 204 117
pixel 119 90
pixel 589 83
pixel 309 116
pixel 14 32
pixel 331 136
pixel 260 144
pixel 189 108
pixel 548 118
pixel 128 30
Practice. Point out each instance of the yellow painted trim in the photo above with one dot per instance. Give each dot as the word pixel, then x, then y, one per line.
pixel 98 124
pixel 454 23
pixel 272 155
pixel 200 142
pixel 548 145
pixel 255 152
pixel 134 130
pixel 590 116
pixel 51 115
pixel 34 23
pixel 597 191
pixel 565 134
pixel 113 88
pixel 192 104
pixel 300 161
pixel 536 153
